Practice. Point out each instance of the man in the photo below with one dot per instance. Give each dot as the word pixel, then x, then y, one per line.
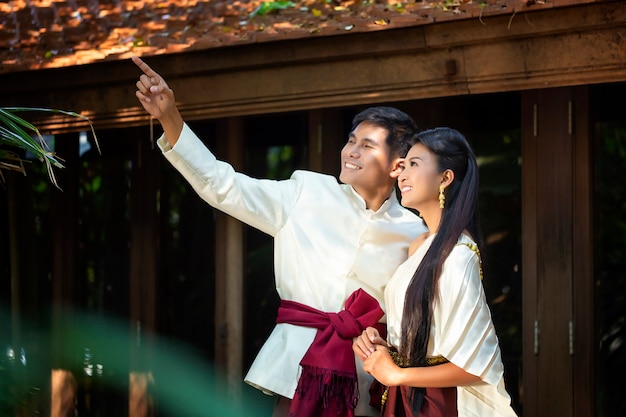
pixel 336 245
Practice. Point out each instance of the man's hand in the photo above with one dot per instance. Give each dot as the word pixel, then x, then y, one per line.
pixel 158 100
pixel 152 91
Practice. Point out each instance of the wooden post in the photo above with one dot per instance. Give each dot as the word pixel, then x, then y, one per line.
pixel 229 274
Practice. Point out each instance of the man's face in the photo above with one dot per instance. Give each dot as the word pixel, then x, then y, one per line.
pixel 365 161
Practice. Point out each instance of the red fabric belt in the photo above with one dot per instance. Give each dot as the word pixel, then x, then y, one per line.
pixel 328 385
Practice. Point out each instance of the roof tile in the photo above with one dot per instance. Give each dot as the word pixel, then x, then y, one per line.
pixel 38 34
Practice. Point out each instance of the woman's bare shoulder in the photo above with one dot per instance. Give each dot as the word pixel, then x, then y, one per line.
pixel 417 242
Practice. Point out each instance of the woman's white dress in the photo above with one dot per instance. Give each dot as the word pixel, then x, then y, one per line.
pixel 461 331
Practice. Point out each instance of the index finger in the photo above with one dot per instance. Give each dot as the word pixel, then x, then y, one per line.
pixel 144 67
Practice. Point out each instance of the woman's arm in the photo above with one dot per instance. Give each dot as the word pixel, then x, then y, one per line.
pixel 380 365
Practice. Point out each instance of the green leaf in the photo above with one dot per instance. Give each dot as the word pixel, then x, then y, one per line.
pixel 270 6
pixel 16 132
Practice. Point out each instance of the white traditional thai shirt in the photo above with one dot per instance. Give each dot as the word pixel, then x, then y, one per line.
pixel 461 330
pixel 327 244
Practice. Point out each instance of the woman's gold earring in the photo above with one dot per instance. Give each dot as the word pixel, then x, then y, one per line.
pixel 442 197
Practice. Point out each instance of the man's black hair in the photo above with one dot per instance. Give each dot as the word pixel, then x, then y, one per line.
pixel 401 128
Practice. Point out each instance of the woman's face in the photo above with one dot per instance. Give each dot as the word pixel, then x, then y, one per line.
pixel 420 179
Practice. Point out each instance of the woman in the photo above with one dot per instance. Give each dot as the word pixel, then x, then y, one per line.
pixel 442 357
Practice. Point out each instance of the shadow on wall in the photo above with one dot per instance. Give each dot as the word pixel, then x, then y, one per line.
pixel 104 372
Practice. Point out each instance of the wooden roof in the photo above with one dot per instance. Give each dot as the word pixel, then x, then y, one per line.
pixel 300 59
pixel 37 34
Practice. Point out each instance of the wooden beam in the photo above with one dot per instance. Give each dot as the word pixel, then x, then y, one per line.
pixel 530 319
pixel 326 138
pixel 554 251
pixel 550 249
pixel 144 248
pixel 229 273
pixel 553 47
pixel 65 234
pixel 583 262
pixel 13 186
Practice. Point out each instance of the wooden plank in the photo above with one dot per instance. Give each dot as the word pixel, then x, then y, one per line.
pixel 583 261
pixel 144 249
pixel 554 252
pixel 547 61
pixel 229 264
pixel 529 396
pixel 65 232
pixel 525 24
pixel 326 138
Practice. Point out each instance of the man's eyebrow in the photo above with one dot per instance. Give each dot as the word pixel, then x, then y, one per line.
pixel 368 140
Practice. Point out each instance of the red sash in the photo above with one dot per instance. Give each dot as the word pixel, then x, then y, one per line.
pixel 328 385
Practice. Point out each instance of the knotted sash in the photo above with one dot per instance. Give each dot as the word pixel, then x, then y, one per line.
pixel 328 385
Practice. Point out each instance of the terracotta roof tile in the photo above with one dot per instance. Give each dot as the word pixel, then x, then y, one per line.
pixel 38 34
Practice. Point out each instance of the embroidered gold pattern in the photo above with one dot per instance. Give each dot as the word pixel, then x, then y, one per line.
pixel 474 247
pixel 402 362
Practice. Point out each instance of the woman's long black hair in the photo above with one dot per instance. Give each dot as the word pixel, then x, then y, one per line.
pixel 460 214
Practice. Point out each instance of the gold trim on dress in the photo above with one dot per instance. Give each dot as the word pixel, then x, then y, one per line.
pixel 402 362
pixel 474 247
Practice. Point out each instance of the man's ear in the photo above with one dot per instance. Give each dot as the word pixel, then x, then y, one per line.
pixel 397 166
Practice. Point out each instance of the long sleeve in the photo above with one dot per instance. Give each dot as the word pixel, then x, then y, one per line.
pixel 464 332
pixel 466 336
pixel 261 203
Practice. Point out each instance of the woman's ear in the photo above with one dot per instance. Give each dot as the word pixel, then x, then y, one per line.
pixel 397 166
pixel 447 177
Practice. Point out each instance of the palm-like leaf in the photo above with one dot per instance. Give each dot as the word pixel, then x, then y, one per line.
pixel 16 132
